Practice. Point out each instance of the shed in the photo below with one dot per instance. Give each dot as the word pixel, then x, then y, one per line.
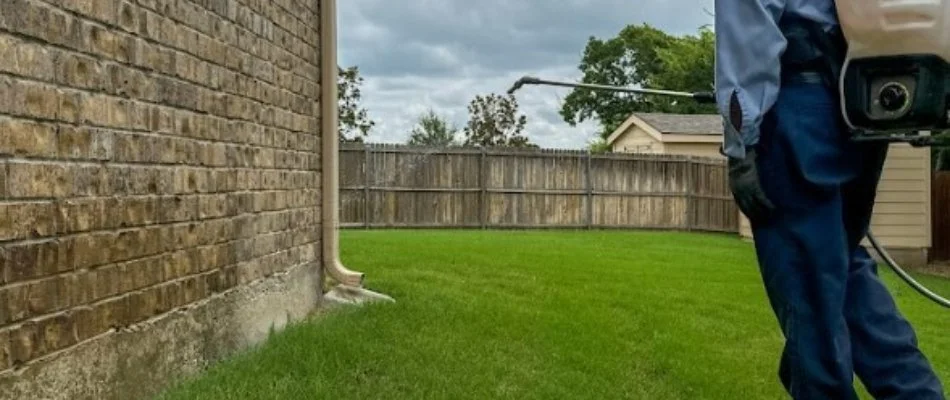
pixel 902 216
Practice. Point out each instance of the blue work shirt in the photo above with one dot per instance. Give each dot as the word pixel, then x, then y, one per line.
pixel 749 45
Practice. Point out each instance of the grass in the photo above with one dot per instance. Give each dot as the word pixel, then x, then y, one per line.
pixel 541 315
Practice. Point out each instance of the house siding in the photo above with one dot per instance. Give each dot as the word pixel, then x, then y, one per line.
pixel 637 140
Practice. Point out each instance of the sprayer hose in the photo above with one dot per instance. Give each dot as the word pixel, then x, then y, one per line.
pixel 904 275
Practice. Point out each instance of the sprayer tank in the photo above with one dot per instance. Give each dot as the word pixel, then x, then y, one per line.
pixel 895 27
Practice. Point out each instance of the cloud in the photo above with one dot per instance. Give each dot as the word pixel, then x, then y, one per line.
pixel 438 54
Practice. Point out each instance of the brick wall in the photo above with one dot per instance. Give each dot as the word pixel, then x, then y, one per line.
pixel 153 153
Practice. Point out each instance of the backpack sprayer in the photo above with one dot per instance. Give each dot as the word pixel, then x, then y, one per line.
pixel 892 85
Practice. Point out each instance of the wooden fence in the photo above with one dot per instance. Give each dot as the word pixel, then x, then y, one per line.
pixel 941 218
pixel 401 186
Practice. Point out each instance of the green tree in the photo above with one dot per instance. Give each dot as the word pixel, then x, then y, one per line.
pixel 641 56
pixel 598 146
pixel 433 130
pixel 494 121
pixel 354 122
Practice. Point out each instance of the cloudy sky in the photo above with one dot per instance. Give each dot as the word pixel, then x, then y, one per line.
pixel 439 54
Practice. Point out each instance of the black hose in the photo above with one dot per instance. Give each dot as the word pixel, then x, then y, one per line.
pixel 904 275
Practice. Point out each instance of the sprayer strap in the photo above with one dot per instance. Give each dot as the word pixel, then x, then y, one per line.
pixel 833 51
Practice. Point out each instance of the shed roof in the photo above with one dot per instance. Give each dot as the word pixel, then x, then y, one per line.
pixel 684 124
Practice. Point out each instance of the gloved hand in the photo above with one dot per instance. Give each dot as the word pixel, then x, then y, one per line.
pixel 746 188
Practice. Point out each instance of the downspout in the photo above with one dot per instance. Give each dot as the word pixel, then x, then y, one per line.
pixel 350 283
pixel 330 138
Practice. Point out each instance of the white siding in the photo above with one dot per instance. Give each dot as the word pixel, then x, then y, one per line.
pixel 636 140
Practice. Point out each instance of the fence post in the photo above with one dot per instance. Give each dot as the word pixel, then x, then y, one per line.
pixel 366 182
pixel 483 183
pixel 590 191
pixel 690 195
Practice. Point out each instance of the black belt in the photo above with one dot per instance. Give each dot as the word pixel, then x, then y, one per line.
pixel 803 77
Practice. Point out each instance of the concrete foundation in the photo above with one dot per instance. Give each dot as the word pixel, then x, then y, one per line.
pixel 139 362
pixel 907 258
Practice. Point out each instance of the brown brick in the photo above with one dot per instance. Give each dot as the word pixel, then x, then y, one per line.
pixel 104 282
pixel 213 281
pixel 33 20
pixel 27 219
pixel 27 138
pixel 211 206
pixel 79 71
pixel 126 48
pixel 92 250
pixel 128 16
pixel 126 282
pixel 139 114
pixel 189 288
pixel 146 272
pixel 17 302
pixel 139 307
pixel 8 54
pixel 76 288
pixel 25 344
pixel 37 259
pixel 88 180
pixel 113 313
pixel 36 100
pixel 44 296
pixel 151 241
pixel 127 245
pixel 5 362
pixel 132 147
pixel 31 180
pixel 57 332
pixel 60 25
pixel 4 316
pixel 35 60
pixel 80 215
pixel 137 211
pixel 178 209
pixel 177 265
pixel 85 143
pixel 3 182
pixel 102 41
pixel 87 323
pixel 119 113
pixel 70 106
pixel 150 56
pixel 208 258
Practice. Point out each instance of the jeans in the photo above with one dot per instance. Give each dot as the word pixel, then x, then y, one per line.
pixel 837 317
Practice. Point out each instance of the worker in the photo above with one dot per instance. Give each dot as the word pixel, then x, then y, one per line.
pixel 808 193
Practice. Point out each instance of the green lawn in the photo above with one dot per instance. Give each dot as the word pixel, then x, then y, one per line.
pixel 541 315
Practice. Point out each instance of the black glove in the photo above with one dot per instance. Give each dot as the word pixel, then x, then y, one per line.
pixel 746 189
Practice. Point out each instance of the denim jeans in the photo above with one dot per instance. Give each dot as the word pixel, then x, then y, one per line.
pixel 837 317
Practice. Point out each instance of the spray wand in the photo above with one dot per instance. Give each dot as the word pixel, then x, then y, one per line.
pixel 709 97
pixel 700 97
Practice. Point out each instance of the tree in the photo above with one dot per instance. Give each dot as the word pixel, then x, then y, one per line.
pixel 433 130
pixel 598 145
pixel 641 56
pixel 494 121
pixel 354 122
